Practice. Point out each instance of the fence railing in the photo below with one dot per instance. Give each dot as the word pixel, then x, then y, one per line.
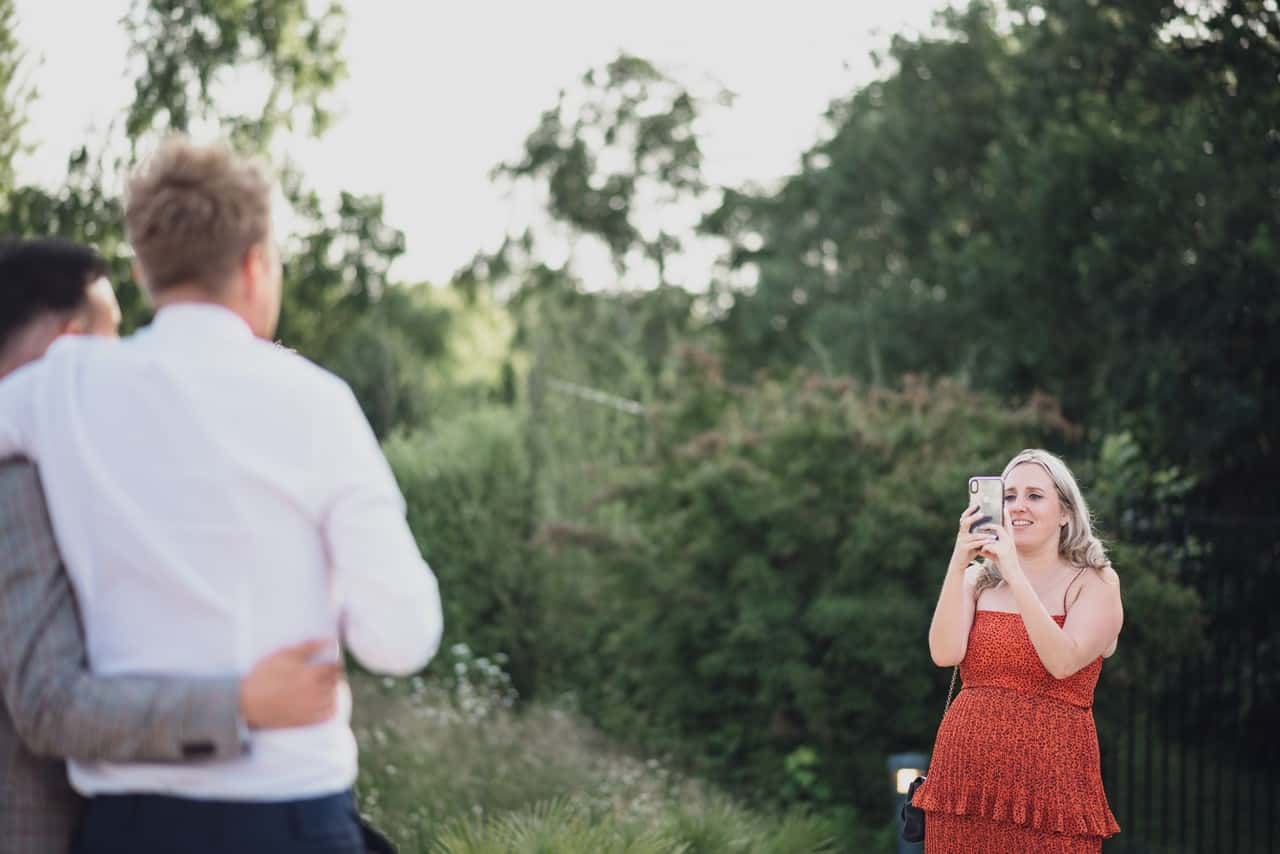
pixel 1191 762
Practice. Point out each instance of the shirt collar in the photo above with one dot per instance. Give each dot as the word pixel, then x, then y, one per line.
pixel 201 318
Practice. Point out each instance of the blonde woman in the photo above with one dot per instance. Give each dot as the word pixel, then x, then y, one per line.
pixel 1015 766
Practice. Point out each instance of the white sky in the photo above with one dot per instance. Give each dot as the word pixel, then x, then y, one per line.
pixel 438 94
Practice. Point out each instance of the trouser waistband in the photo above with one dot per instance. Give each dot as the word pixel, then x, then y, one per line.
pixel 161 824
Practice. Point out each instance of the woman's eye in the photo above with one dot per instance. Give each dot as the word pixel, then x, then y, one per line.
pixel 1008 498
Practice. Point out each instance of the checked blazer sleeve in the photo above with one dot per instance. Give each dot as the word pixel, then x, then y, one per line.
pixel 58 707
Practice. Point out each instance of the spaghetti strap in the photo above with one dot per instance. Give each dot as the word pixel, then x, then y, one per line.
pixel 1068 590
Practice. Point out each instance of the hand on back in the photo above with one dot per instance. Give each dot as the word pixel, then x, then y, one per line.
pixel 290 688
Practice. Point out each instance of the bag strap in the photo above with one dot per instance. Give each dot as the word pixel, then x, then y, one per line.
pixel 955 671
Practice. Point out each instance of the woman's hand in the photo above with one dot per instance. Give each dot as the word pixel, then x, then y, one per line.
pixel 998 546
pixel 971 544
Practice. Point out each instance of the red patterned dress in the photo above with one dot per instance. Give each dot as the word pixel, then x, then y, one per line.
pixel 1015 767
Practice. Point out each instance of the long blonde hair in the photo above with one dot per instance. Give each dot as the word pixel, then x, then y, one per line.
pixel 1077 543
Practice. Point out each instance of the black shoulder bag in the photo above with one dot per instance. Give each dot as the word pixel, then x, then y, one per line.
pixel 913 816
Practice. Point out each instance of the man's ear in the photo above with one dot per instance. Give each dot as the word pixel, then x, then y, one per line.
pixel 142 283
pixel 252 268
pixel 77 323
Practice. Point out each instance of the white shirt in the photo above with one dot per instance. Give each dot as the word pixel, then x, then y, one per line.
pixel 216 497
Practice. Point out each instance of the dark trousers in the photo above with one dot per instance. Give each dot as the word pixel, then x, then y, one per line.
pixel 157 824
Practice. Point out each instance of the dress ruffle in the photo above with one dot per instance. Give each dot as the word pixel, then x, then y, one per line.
pixel 1024 759
pixel 1023 808
pixel 1017 745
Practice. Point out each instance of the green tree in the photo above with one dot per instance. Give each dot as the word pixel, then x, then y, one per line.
pixel 614 166
pixel 467 486
pixel 81 210
pixel 194 51
pixel 615 160
pixel 340 309
pixel 1077 198
pixel 13 96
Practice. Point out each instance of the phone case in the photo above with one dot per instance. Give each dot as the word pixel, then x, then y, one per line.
pixel 988 493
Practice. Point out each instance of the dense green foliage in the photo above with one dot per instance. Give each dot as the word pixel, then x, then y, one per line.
pixel 792 543
pixel 759 579
pixel 468 487
pixel 340 307
pixel 193 51
pixel 786 540
pixel 617 164
pixel 715 521
pixel 12 95
pixel 999 209
pixel 1077 198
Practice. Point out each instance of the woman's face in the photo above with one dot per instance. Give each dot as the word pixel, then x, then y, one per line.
pixel 1031 507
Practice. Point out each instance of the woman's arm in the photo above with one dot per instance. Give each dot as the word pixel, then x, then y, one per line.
pixel 1093 621
pixel 953 615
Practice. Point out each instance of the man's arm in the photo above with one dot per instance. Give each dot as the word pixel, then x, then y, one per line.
pixel 16 412
pixel 392 620
pixel 57 706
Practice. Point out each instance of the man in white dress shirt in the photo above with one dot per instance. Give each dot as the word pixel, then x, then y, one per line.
pixel 217 497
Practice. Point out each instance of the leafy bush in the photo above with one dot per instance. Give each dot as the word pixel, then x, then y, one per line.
pixel 1052 195
pixel 756 594
pixel 794 536
pixel 469 493
pixel 1139 506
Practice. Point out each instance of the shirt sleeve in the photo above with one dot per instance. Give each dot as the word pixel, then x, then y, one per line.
pixel 17 409
pixel 390 601
pixel 57 706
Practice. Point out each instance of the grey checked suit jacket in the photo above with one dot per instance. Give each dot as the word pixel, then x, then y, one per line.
pixel 53 707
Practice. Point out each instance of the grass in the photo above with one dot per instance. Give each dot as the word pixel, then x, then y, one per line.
pixel 564 827
pixel 453 768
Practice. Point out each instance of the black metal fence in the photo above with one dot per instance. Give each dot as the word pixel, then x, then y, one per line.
pixel 1191 758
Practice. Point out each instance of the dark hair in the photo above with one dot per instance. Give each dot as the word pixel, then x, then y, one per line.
pixel 39 276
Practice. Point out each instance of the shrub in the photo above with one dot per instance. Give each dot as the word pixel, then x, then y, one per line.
pixel 468 488
pixel 794 537
pixel 755 594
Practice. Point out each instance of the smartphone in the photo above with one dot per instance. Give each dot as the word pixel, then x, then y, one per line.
pixel 988 494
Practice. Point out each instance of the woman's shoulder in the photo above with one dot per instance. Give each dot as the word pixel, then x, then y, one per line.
pixel 1097 584
pixel 1107 575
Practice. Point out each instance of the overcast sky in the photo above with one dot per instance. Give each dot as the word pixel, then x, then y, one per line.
pixel 439 93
